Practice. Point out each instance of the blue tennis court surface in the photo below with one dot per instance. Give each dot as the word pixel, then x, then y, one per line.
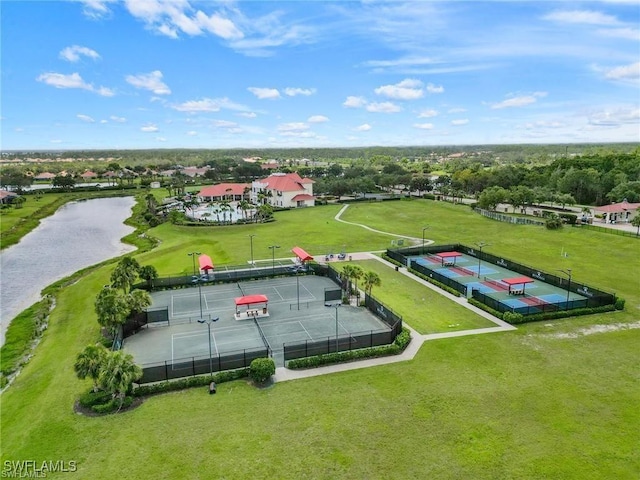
pixel 552 298
pixel 481 287
pixel 514 303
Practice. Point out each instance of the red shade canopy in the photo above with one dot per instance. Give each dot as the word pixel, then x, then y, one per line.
pixel 251 299
pixel 517 280
pixel 301 254
pixel 205 262
pixel 449 254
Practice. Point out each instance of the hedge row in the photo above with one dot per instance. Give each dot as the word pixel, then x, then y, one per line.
pixel 438 284
pixel 567 313
pixel 397 347
pixel 181 384
pixel 391 260
pixel 484 307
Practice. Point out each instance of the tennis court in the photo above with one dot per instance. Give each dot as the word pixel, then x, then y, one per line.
pixel 498 282
pixel 295 312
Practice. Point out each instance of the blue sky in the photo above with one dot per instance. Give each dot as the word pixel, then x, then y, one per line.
pixel 187 74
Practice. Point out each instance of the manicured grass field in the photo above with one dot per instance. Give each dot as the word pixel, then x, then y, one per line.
pixel 528 404
pixel 422 308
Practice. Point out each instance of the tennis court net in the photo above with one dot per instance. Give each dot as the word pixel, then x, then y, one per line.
pixel 264 339
pixel 496 283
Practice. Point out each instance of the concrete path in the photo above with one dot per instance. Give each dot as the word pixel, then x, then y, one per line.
pixel 284 374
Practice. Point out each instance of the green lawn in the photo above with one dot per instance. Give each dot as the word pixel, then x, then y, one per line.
pixel 527 404
pixel 422 308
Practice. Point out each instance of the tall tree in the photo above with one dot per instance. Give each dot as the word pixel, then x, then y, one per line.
pixel 89 363
pixel 125 273
pixel 148 273
pixel 112 309
pixel 370 280
pixel 118 374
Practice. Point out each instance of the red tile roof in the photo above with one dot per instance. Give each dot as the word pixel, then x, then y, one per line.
pixel 289 182
pixel 221 189
pixel 302 196
pixel 618 207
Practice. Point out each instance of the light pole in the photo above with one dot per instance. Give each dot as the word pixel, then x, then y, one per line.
pixel 480 245
pixel 273 258
pixel 336 306
pixel 423 229
pixel 209 322
pixel 251 240
pixel 567 272
pixel 197 279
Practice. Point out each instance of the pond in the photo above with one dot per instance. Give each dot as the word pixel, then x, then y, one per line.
pixel 78 235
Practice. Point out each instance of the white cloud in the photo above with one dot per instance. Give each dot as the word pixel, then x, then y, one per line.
pixel 192 133
pixel 96 9
pixel 625 73
pixel 104 121
pixel 265 93
pixel 171 17
pixel 248 114
pixel 85 118
pixel 149 81
pixel 520 101
pixel 431 88
pixel 149 128
pixel 462 121
pixel 423 126
pixel 208 105
pixel 73 53
pixel 218 25
pixel 408 89
pixel 161 139
pixel 457 110
pixel 117 119
pixel 292 92
pixel 628 33
pixel 293 127
pixel 428 113
pixel 383 107
pixel 317 119
pixel 224 124
pixel 365 127
pixel 589 17
pixel 354 102
pixel 74 80
pixel 615 117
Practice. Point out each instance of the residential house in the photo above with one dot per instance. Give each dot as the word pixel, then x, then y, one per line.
pixel 45 176
pixel 284 190
pixel 7 197
pixel 622 212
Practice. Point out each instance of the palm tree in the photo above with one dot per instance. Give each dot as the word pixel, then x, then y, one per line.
pixel 138 300
pixel 370 280
pixel 356 274
pixel 148 273
pixel 125 273
pixel 89 363
pixel 118 373
pixel 112 309
pixel 347 274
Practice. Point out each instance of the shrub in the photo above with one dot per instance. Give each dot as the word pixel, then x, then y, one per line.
pixel 484 307
pixel 113 405
pixel 91 398
pixel 619 305
pixel 189 382
pixel 261 369
pixel 340 357
pixel 513 317
pixel 569 218
pixel 428 196
pixel 403 339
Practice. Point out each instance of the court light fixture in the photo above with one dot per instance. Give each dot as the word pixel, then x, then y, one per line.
pixel 423 229
pixel 480 245
pixel 209 321
pixel 273 257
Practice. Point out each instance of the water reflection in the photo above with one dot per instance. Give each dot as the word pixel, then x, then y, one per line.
pixel 78 235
